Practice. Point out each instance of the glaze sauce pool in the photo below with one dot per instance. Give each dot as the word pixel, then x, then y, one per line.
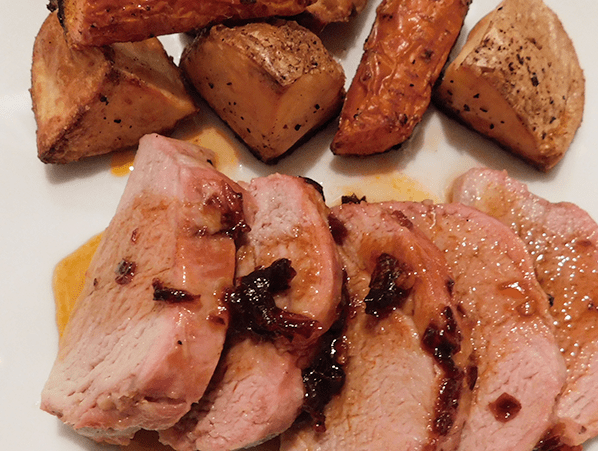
pixel 69 278
pixel 384 187
pixel 121 163
pixel 200 131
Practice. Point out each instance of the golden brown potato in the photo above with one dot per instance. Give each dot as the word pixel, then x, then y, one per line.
pixel 324 12
pixel 93 101
pixel 271 83
pixel 517 80
pixel 101 22
pixel 403 56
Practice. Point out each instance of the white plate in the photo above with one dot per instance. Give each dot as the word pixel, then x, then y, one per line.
pixel 49 211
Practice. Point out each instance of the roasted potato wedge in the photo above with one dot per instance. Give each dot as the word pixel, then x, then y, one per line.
pixel 403 56
pixel 97 100
pixel 271 83
pixel 324 12
pixel 95 23
pixel 518 81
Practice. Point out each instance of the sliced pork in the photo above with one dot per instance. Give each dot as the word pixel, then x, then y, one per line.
pixel 520 371
pixel 258 389
pixel 404 356
pixel 563 242
pixel 148 330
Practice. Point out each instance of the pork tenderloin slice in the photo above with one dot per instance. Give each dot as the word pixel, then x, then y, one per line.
pixel 147 332
pixel 258 392
pixel 289 219
pixel 395 370
pixel 520 371
pixel 258 389
pixel 386 401
pixel 563 242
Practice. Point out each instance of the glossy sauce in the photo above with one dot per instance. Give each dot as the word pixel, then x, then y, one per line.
pixel 215 139
pixel 385 187
pixel 208 136
pixel 69 274
pixel 69 278
pixel 199 131
pixel 121 163
pixel 505 408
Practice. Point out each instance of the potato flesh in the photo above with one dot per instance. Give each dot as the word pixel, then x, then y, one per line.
pixel 94 101
pixel 403 56
pixel 271 84
pixel 103 22
pixel 517 81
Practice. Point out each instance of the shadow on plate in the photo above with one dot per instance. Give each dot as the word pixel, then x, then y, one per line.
pixel 489 154
pixel 62 173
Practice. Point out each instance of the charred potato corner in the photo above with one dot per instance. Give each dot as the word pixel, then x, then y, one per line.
pixel 272 84
pixel 97 100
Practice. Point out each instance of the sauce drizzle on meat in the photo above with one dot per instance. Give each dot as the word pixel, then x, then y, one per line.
pixel 390 286
pixel 171 295
pixel 230 205
pixel 253 307
pixel 125 271
pixel 552 442
pixel 443 342
pixel 325 377
pixel 338 229
pixel 505 408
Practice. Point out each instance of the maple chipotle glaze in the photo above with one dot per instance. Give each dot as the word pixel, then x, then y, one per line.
pixel 385 363
pixel 515 350
pixel 379 187
pixel 121 163
pixel 195 131
pixel 69 278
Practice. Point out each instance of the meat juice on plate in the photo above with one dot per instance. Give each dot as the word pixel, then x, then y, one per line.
pixel 383 187
pixel 121 163
pixel 69 278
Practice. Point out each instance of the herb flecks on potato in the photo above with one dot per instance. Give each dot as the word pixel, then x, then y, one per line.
pixel 273 84
pixel 94 101
pixel 518 81
pixel 403 57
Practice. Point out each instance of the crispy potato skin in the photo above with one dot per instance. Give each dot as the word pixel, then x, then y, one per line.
pixel 102 22
pixel 403 56
pixel 518 81
pixel 97 100
pixel 273 84
pixel 324 12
